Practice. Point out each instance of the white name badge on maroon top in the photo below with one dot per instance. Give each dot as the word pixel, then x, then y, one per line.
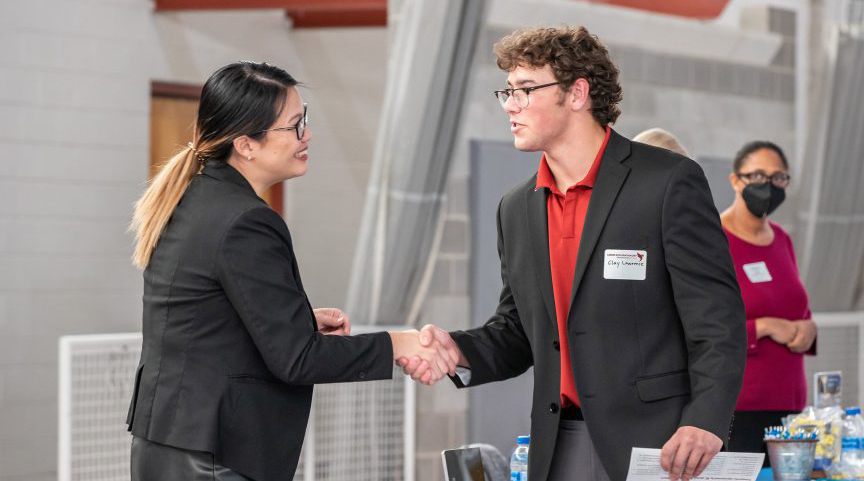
pixel 757 272
pixel 625 265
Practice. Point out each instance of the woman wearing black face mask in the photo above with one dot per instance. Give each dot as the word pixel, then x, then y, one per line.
pixel 779 326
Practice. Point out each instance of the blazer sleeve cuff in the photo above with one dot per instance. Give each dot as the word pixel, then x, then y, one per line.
pixel 382 367
pixel 465 376
pixel 721 430
pixel 752 339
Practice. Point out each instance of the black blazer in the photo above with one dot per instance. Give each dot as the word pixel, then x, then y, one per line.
pixel 230 349
pixel 648 356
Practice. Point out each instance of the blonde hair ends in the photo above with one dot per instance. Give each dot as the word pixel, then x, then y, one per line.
pixel 154 208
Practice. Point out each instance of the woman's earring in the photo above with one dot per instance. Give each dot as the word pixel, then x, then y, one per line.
pixel 249 158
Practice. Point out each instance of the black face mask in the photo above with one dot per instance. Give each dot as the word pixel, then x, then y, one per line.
pixel 763 199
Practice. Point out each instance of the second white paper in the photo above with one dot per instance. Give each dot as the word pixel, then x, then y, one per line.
pixel 645 466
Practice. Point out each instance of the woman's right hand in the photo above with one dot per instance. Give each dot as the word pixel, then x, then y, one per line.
pixel 804 337
pixel 781 331
pixel 406 344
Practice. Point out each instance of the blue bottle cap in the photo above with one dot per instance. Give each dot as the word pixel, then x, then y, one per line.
pixel 523 440
pixel 853 411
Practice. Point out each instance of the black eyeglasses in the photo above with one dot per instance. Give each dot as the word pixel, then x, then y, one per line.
pixel 520 95
pixel 299 128
pixel 779 179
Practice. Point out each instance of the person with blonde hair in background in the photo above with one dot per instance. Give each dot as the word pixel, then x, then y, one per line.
pixel 661 138
pixel 231 345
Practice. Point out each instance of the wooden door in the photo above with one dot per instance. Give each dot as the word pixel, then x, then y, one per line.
pixel 173 108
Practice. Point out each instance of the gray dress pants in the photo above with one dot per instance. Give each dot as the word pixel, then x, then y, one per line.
pixel 158 462
pixel 575 458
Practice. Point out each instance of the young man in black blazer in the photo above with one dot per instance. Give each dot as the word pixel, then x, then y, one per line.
pixel 618 285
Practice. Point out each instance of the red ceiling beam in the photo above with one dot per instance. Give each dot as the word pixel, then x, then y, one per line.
pixel 162 5
pixel 701 9
pixel 304 13
pixel 343 16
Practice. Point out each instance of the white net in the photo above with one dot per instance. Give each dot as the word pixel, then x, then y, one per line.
pixel 360 431
pixel 97 374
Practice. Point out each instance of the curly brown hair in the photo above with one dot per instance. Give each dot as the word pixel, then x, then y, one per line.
pixel 573 54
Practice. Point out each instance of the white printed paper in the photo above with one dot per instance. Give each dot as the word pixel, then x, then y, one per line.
pixel 757 272
pixel 645 466
pixel 624 264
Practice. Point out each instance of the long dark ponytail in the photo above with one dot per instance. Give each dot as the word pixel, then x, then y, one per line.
pixel 242 98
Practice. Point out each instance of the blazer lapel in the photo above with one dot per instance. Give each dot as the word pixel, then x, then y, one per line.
pixel 610 178
pixel 539 231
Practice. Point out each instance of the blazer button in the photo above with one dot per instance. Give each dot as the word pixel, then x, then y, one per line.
pixel 553 408
pixel 362 375
pixel 556 345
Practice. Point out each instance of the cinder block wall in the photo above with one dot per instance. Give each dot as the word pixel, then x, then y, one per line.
pixel 74 122
pixel 74 119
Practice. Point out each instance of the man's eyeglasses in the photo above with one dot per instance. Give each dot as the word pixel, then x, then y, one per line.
pixel 299 128
pixel 520 95
pixel 779 179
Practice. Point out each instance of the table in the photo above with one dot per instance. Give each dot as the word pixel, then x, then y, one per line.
pixel 767 475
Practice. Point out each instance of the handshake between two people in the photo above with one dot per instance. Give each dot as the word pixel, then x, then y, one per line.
pixel 427 355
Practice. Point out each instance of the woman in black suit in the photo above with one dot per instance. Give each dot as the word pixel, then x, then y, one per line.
pixel 232 346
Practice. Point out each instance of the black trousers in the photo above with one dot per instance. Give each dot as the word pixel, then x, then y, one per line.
pixel 748 431
pixel 158 462
pixel 575 458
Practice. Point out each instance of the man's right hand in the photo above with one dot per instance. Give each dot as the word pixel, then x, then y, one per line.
pixel 432 336
pixel 431 357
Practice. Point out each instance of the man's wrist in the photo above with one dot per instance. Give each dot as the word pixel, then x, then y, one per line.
pixel 463 361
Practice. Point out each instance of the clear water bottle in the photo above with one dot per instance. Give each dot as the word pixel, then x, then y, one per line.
pixel 519 459
pixel 852 456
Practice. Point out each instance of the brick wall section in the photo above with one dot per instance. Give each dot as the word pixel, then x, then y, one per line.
pixel 74 119
pixel 74 123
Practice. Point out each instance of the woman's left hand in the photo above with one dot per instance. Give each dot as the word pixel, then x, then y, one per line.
pixel 332 321
pixel 804 336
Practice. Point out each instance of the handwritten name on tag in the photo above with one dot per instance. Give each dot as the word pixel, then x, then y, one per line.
pixel 626 265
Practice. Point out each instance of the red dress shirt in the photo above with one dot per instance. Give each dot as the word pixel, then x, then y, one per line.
pixel 565 214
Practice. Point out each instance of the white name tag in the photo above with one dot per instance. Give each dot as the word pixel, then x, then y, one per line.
pixel 757 272
pixel 624 264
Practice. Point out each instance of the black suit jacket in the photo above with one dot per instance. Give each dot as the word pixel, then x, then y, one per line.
pixel 230 349
pixel 648 356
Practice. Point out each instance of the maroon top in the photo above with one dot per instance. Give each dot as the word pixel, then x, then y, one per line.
pixel 771 287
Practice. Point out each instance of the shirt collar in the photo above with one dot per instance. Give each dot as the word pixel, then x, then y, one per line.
pixel 545 179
